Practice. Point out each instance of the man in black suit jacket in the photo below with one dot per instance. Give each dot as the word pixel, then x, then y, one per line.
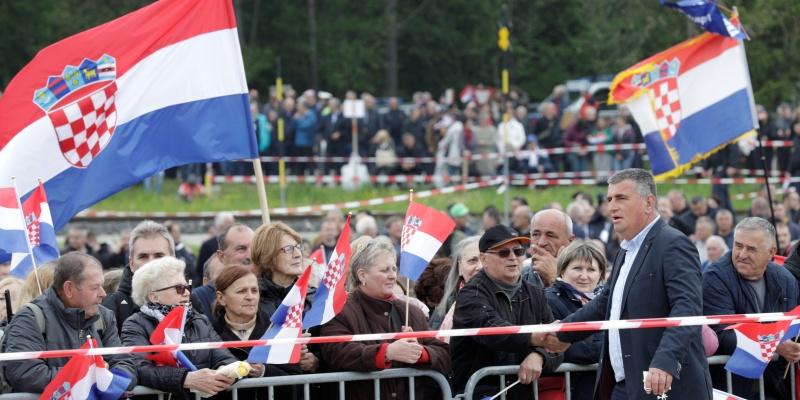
pixel 658 275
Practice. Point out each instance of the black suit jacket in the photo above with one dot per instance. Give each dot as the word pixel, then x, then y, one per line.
pixel 664 281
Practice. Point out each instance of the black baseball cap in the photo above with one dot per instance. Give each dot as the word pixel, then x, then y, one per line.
pixel 499 235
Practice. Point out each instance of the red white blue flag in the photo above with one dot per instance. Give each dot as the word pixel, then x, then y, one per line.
pixel 103 109
pixel 170 331
pixel 39 224
pixel 424 231
pixel 720 395
pixel 13 235
pixel 287 322
pixel 689 100
pixel 331 295
pixel 87 377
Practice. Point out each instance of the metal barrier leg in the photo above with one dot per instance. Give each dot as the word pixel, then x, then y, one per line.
pixel 502 385
pixel 761 388
pixel 568 380
pixel 792 382
pixel 235 394
pixel 271 392
pixel 377 387
pixel 535 389
pixel 341 390
pixel 729 380
pixel 306 392
pixel 412 395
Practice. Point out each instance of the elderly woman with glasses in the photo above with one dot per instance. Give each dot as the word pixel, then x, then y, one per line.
pixel 372 308
pixel 158 287
pixel 277 254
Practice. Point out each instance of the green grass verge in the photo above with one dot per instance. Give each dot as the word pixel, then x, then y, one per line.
pixel 243 197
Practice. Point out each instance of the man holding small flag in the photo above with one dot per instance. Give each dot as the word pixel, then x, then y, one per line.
pixel 63 318
pixel 745 280
pixel 41 234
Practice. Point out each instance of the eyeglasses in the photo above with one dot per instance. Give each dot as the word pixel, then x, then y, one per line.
pixel 179 288
pixel 503 253
pixel 289 248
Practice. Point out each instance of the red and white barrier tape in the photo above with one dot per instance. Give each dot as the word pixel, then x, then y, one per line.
pixel 599 148
pixel 552 178
pixel 294 210
pixel 501 330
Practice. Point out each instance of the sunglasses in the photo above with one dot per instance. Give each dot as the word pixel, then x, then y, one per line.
pixel 289 248
pixel 179 288
pixel 503 253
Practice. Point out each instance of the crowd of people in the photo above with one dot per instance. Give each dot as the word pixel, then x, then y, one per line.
pixel 624 254
pixel 391 131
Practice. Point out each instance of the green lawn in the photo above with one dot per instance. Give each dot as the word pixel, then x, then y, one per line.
pixel 243 197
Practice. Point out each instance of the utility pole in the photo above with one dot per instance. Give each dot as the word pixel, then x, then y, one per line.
pixel 281 144
pixel 504 42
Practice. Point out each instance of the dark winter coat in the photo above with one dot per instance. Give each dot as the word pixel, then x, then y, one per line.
pixel 120 302
pixel 136 332
pixel 584 352
pixel 481 304
pixel 726 292
pixel 65 328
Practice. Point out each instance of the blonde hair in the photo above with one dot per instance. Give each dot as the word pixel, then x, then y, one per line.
pixel 30 288
pixel 267 245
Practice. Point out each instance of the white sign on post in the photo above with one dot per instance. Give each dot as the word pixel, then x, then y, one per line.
pixel 354 109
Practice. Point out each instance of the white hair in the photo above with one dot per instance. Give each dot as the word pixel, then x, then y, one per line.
pixel 366 223
pixel 567 220
pixel 152 275
pixel 719 240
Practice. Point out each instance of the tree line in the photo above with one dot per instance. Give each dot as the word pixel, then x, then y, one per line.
pixel 397 47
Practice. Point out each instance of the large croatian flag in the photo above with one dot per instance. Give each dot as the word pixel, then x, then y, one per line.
pixel 424 232
pixel 41 234
pixel 105 108
pixel 689 100
pixel 331 295
pixel 286 323
pixel 13 234
pixel 87 377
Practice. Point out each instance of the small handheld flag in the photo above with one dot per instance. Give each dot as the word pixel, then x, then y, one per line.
pixel 13 233
pixel 286 322
pixel 170 331
pixel 755 345
pixel 424 232
pixel 41 234
pixel 331 295
pixel 86 377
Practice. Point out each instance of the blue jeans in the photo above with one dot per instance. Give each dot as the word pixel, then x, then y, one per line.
pixel 153 183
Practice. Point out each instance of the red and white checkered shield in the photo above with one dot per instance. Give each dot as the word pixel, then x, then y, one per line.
pixel 84 127
pixel 667 106
pixel 768 344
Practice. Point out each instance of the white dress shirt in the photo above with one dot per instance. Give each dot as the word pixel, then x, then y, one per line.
pixel 631 248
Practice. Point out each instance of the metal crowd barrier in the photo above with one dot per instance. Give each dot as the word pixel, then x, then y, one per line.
pixel 567 369
pixel 341 378
pixel 306 380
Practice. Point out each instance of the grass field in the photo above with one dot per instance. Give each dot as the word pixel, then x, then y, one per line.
pixel 243 197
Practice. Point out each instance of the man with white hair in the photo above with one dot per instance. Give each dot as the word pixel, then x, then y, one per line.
pixel 366 226
pixel 715 249
pixel 745 281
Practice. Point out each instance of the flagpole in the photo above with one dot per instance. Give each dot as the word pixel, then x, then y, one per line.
pixel 500 393
pixel 262 191
pixel 27 237
pixel 408 280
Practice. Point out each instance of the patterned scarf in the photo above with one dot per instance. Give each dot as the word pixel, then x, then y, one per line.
pixel 583 297
pixel 159 311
